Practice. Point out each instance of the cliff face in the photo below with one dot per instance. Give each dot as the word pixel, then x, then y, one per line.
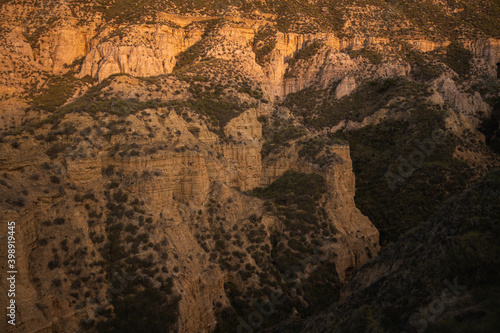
pixel 150 50
pixel 296 61
pixel 180 182
pixel 138 50
pixel 447 236
pixel 198 157
pixel 93 48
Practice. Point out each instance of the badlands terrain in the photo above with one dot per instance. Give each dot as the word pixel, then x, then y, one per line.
pixel 251 166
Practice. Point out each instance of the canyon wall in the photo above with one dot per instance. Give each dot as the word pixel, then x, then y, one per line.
pixel 170 191
pixel 186 176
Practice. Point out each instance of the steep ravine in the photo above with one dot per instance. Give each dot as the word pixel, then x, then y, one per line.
pixel 182 190
pixel 172 166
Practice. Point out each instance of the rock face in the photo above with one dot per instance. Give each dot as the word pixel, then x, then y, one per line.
pixel 345 87
pixel 142 156
pixel 177 182
pixel 62 47
pixel 427 46
pixel 12 113
pixel 485 48
pixel 355 228
pixel 404 262
pixel 153 50
pixel 139 51
pixel 472 106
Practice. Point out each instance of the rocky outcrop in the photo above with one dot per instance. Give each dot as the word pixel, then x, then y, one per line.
pixel 140 51
pixel 356 231
pixel 426 45
pixel 357 43
pixel 425 256
pixel 393 69
pixel 153 49
pixel 188 172
pixel 61 47
pixel 243 156
pixel 470 105
pixel 488 49
pixel 149 50
pixel 345 87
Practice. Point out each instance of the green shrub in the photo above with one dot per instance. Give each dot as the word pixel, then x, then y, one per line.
pixel 278 137
pixel 55 150
pixel 58 90
pixel 458 58
pixel 322 288
pixel 306 53
pixel 422 68
pixel 53 264
pixel 264 42
pixel 373 56
pixel 293 183
pixel 320 108
pixel 149 310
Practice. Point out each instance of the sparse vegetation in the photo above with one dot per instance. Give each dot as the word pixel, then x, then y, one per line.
pixel 292 186
pixel 306 53
pixel 263 44
pixel 458 58
pixel 320 108
pixel 423 68
pixel 58 89
pixel 375 150
pixel 373 56
pixel 458 251
pixel 276 240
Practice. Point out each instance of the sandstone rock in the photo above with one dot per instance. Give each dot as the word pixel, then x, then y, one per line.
pixel 62 47
pixel 393 69
pixel 426 45
pixel 436 98
pixel 470 105
pixel 11 113
pixel 144 51
pixel 351 249
pixel 358 43
pixel 345 87
pixel 485 48
pixel 328 65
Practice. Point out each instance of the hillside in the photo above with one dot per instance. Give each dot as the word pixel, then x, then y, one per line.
pixel 440 277
pixel 180 166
